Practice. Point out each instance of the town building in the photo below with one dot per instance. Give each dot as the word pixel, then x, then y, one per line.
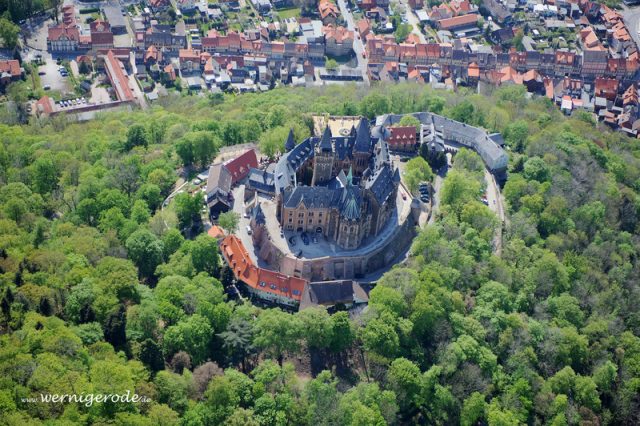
pixel 223 176
pixel 10 71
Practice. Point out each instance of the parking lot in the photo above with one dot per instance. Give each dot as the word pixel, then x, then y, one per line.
pixel 52 76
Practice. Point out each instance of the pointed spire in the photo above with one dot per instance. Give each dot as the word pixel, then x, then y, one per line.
pixel 291 142
pixel 325 142
pixel 350 176
pixel 396 176
pixel 363 136
pixel 258 215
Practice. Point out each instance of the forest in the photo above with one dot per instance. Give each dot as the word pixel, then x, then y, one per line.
pixel 104 290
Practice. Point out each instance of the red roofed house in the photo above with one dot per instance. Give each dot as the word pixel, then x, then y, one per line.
pixel 402 139
pixel 189 60
pixel 63 39
pixel 458 22
pixel 329 12
pixel 118 77
pixel 339 40
pixel 215 232
pixel 44 106
pixel 606 88
pixel 364 28
pixel 101 35
pixel 239 167
pixel 9 71
pixel 69 15
pixel 264 283
pixel 159 5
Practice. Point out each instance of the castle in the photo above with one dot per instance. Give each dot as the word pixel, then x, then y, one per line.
pixel 341 186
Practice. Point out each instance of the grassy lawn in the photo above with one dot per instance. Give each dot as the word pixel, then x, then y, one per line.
pixel 293 12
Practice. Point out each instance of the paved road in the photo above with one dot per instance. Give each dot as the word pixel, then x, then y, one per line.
pixel 358 47
pixel 495 204
pixel 435 198
pixel 413 20
pixel 631 15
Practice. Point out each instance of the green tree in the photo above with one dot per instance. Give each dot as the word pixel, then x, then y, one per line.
pixel 277 332
pixel 317 327
pixel 229 221
pixel 409 120
pixel 402 32
pixel 191 335
pixel 417 170
pixel 146 251
pixel 188 209
pixel 9 33
pixel 272 141
pixel 204 254
pixel 343 333
pixel 330 64
pixel 136 136
pixel 473 409
pixel 405 380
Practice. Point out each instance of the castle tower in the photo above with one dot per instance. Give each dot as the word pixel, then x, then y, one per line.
pixel 350 228
pixel 290 142
pixel 258 224
pixel 323 160
pixel 362 147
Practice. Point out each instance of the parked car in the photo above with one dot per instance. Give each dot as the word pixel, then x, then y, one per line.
pixel 46 87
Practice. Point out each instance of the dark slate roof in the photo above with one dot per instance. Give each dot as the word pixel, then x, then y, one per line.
pixel 363 137
pixel 261 176
pixel 350 205
pixel 300 153
pixel 291 142
pixel 382 157
pixel 283 174
pixel 343 147
pixel 258 215
pixel 381 184
pixel 325 142
pixel 315 197
pixel 332 292
pixel 219 179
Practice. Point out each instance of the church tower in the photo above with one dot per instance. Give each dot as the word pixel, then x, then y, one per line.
pixel 362 147
pixel 323 160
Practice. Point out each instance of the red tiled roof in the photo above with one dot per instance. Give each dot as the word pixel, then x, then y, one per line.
pixel 44 105
pixel 402 135
pixel 189 55
pixel 606 87
pixel 326 9
pixel 11 66
pixel 239 167
pixel 473 70
pixel 118 78
pixel 260 279
pixel 458 21
pixel 339 34
pixel 216 232
pixel 61 31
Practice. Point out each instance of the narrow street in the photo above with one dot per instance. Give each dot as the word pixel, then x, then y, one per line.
pixel 495 204
pixel 412 20
pixel 358 46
